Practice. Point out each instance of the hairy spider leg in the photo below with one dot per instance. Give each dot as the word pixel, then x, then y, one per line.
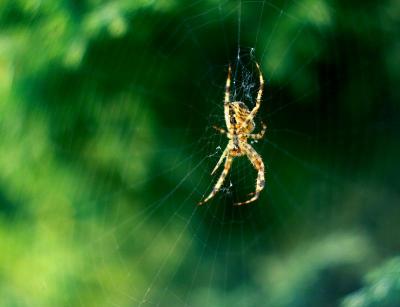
pixel 223 131
pixel 258 164
pixel 260 135
pixel 220 130
pixel 258 100
pixel 227 101
pixel 220 160
pixel 221 179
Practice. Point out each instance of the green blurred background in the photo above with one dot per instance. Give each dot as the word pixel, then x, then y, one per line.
pixel 106 114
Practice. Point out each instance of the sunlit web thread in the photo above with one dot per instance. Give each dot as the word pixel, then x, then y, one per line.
pixel 282 12
pixel 145 298
pixel 183 257
pixel 157 204
pixel 239 17
pixel 202 255
pixel 215 260
pixel 259 22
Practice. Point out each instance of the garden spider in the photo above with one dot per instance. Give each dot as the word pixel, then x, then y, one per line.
pixel 240 125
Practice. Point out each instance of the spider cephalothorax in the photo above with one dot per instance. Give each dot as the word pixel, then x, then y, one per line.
pixel 240 124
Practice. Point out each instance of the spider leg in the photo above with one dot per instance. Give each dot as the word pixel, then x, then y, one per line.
pixel 260 90
pixel 227 102
pixel 228 86
pixel 260 135
pixel 220 130
pixel 223 131
pixel 218 185
pixel 258 164
pixel 258 99
pixel 220 160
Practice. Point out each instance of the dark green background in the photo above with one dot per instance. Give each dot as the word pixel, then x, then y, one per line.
pixel 106 115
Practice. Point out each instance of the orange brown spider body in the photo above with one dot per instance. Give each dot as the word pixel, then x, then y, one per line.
pixel 240 124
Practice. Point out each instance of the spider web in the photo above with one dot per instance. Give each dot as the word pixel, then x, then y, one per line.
pixel 142 239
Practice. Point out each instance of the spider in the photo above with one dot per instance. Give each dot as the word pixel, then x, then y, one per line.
pixel 240 125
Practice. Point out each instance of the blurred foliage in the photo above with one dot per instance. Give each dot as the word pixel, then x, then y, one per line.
pixel 104 108
pixel 382 287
